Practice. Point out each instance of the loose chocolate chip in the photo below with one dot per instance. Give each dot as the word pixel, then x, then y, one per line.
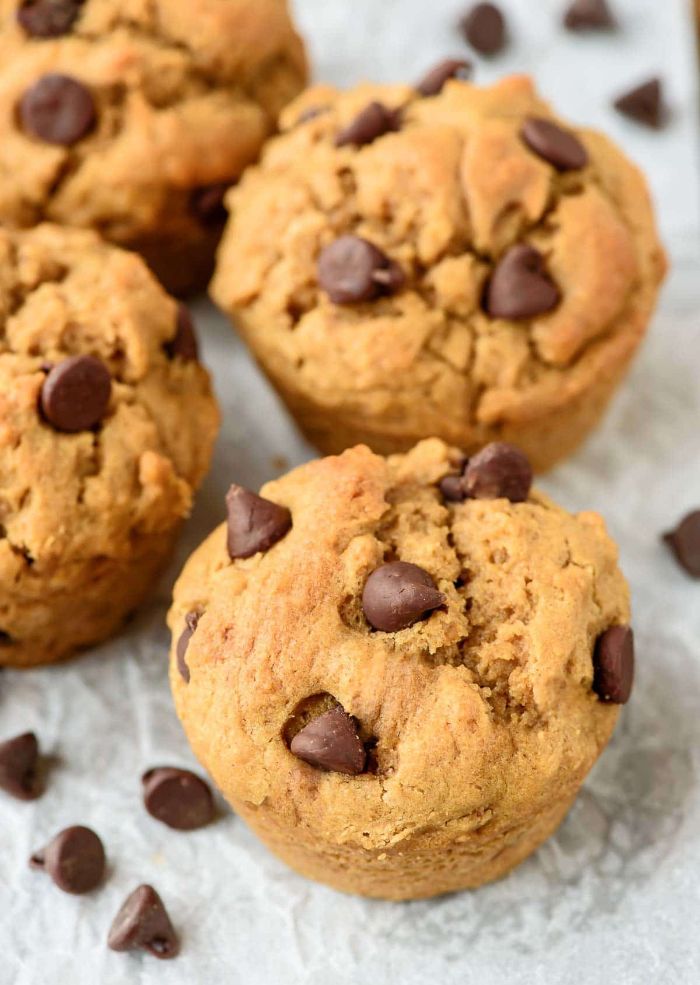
pixel 75 860
pixel 48 18
pixel 207 203
pixel 589 15
pixel 374 121
pixel 613 665
pixel 556 146
pixel 484 27
pixel 452 68
pixel 397 595
pixel 191 623
pixel 254 523
pixel 352 269
pixel 178 798
pixel 330 742
pixel 498 471
pixel 19 758
pixel 452 488
pixel 184 344
pixel 143 924
pixel 684 541
pixel 58 110
pixel 644 104
pixel 76 394
pixel 520 286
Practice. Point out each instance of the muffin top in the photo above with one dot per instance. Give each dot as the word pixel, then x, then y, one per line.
pixel 115 114
pixel 456 256
pixel 452 643
pixel 106 417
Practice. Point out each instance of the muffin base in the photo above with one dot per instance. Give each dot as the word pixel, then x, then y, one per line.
pixel 50 620
pixel 546 440
pixel 428 865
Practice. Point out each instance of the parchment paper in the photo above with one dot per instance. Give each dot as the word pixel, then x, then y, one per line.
pixel 615 896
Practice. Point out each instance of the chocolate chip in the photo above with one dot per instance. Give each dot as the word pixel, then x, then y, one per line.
pixel 644 104
pixel 75 860
pixel 76 394
pixel 589 15
pixel 191 623
pixel 452 68
pixel 19 759
pixel 520 286
pixel 207 203
pixel 143 924
pixel 58 110
pixel 613 665
pixel 48 18
pixel 254 523
pixel 352 269
pixel 374 121
pixel 556 146
pixel 184 343
pixel 684 541
pixel 397 595
pixel 178 798
pixel 452 488
pixel 498 471
pixel 330 742
pixel 484 27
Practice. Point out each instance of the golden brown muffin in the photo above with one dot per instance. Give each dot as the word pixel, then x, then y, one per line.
pixel 133 117
pixel 107 422
pixel 406 265
pixel 401 694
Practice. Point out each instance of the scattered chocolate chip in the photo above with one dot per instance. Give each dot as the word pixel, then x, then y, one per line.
pixel 589 15
pixel 19 759
pixel 191 623
pixel 644 104
pixel 558 147
pixel 352 269
pixel 207 203
pixel 58 110
pixel 254 523
pixel 330 742
pixel 684 541
pixel 452 488
pixel 76 394
pixel 143 924
pixel 520 286
pixel 613 665
pixel 374 121
pixel 452 68
pixel 75 860
pixel 178 798
pixel 498 471
pixel 484 27
pixel 184 343
pixel 48 18
pixel 397 595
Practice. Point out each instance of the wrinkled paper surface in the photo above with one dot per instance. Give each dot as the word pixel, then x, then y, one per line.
pixel 614 897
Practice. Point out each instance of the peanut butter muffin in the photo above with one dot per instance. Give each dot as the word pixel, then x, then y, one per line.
pixel 107 422
pixel 448 260
pixel 133 118
pixel 399 671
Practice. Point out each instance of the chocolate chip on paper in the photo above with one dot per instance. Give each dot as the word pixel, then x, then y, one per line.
pixel 143 924
pixel 178 798
pixel 75 860
pixel 19 760
pixel 684 541
pixel 484 27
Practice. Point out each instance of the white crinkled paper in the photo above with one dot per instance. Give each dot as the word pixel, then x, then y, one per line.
pixel 615 896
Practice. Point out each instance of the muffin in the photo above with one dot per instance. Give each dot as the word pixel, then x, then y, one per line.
pixel 448 260
pixel 399 671
pixel 107 422
pixel 134 118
